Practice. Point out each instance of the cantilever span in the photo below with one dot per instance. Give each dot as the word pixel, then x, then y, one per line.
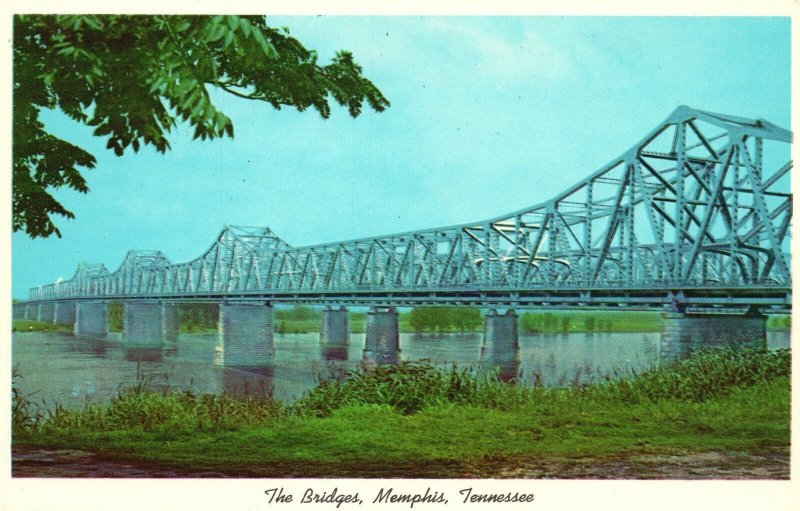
pixel 698 211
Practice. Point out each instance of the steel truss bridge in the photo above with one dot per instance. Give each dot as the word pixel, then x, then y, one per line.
pixel 698 213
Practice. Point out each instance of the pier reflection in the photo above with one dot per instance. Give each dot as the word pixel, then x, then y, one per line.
pixel 144 353
pixel 504 371
pixel 95 348
pixel 244 381
pixel 334 352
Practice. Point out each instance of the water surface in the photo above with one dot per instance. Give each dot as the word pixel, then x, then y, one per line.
pixel 75 370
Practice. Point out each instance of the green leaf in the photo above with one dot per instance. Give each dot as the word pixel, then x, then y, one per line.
pixel 139 75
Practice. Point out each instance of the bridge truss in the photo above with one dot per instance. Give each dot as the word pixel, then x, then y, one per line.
pixel 699 211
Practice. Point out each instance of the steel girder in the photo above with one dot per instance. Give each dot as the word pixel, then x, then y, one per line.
pixel 701 201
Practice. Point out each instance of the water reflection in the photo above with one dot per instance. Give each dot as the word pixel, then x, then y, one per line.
pixel 261 370
pixel 242 352
pixel 331 370
pixel 145 353
pixel 250 380
pixel 334 352
pixel 86 346
pixel 57 365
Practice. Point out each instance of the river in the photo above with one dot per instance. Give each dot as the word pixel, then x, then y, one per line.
pixel 73 371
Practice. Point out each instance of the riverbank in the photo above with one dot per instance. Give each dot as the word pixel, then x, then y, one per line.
pixel 724 413
pixel 25 325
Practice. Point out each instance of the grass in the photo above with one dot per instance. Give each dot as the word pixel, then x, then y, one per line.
pixel 414 420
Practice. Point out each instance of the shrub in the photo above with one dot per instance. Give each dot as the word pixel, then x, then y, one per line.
pixel 704 375
pixel 408 388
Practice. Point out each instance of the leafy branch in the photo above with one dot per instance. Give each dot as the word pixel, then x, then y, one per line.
pixel 133 78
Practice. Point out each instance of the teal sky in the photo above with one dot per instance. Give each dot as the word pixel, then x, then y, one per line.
pixel 488 115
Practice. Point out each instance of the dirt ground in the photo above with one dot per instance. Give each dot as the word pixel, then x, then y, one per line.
pixel 710 465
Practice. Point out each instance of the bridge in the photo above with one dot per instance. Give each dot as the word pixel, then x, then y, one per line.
pixel 693 220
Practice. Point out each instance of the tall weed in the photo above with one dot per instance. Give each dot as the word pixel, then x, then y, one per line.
pixel 704 375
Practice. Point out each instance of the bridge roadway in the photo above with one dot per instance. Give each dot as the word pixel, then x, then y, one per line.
pixel 693 220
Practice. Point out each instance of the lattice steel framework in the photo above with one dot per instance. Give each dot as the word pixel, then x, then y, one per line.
pixel 701 203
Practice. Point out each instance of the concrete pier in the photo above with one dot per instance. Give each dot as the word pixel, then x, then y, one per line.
pixel 382 339
pixel 500 337
pixel 334 335
pixel 335 327
pixel 91 319
pixel 682 333
pixel 64 313
pixel 245 331
pixel 46 312
pixel 170 321
pixel 142 322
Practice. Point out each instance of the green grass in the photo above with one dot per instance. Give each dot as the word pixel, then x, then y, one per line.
pixel 25 325
pixel 414 420
pixel 376 441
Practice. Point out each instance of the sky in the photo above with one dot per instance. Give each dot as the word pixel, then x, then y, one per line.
pixel 488 115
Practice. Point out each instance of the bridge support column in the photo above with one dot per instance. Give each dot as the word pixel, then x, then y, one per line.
pixel 91 319
pixel 170 321
pixel 500 337
pixel 64 313
pixel 245 331
pixel 334 337
pixel 142 322
pixel 683 333
pixel 335 327
pixel 382 339
pixel 46 311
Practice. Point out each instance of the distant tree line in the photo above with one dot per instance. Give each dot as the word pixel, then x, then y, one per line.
pixel 547 322
pixel 196 317
pixel 193 317
pixel 444 319
pixel 115 316
pixel 780 322
pixel 585 321
pixel 300 319
pixel 298 313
